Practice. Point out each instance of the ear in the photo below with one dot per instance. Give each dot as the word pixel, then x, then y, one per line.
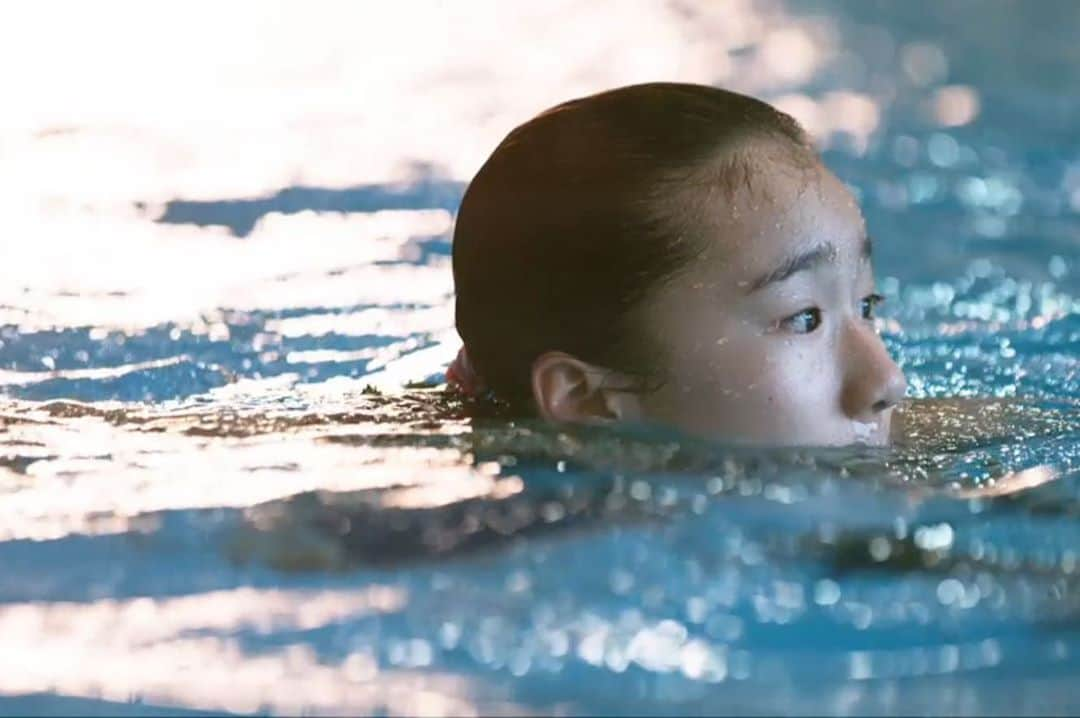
pixel 568 389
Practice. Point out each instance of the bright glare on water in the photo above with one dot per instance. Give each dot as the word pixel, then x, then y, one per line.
pixel 226 252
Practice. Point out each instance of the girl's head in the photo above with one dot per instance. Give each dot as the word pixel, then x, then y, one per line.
pixel 676 254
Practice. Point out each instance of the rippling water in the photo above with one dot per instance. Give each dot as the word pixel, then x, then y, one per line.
pixel 216 493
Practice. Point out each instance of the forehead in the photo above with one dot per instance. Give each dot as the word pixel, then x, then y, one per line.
pixel 784 207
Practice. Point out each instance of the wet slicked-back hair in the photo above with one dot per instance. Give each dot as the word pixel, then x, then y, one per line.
pixel 580 212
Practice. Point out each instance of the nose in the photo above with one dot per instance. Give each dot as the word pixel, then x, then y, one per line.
pixel 873 383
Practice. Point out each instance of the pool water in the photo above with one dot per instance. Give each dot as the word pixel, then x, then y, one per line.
pixel 230 479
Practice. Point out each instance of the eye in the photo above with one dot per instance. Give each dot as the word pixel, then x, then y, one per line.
pixel 869 305
pixel 803 322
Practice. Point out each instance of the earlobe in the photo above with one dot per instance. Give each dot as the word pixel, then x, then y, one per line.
pixel 567 389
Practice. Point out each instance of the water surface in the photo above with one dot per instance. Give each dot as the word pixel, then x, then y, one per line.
pixel 217 494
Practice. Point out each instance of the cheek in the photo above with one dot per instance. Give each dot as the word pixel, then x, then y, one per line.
pixel 758 388
pixel 793 391
pixel 798 374
pixel 725 367
pixel 728 378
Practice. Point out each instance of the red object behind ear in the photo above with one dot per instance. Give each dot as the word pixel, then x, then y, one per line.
pixel 461 376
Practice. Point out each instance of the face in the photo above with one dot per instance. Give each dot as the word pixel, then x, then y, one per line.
pixel 769 337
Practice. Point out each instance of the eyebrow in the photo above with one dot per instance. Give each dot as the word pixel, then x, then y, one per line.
pixel 819 254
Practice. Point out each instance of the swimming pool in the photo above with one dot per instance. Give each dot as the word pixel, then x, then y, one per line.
pixel 211 498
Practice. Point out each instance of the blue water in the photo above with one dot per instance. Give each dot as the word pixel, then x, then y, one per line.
pixel 234 508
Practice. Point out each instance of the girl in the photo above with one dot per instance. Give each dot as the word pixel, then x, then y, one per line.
pixel 671 254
